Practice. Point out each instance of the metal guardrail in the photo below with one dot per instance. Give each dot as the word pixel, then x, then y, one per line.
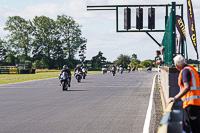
pixel 17 71
pixel 7 67
pixel 4 71
pixel 145 69
pixel 173 118
pixel 13 71
pixel 9 71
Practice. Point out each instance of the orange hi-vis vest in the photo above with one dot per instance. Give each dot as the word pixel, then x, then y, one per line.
pixel 192 97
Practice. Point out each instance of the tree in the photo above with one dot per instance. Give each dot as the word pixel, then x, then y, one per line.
pixel 98 60
pixel 123 60
pixel 134 63
pixel 45 34
pixel 82 52
pixel 10 59
pixel 3 52
pixel 70 35
pixel 55 43
pixel 20 38
pixel 147 63
pixel 134 57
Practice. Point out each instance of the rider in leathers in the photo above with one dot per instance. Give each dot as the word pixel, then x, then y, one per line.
pixel 85 66
pixel 78 68
pixel 114 69
pixel 65 69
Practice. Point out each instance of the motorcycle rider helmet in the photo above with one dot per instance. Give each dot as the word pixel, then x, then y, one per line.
pixel 77 66
pixel 65 67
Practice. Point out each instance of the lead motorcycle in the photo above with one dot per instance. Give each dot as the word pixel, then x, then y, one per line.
pixel 64 79
pixel 78 76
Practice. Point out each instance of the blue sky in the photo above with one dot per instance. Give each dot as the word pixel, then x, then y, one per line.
pixel 99 26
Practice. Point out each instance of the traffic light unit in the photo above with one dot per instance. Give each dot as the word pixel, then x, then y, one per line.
pixel 139 18
pixel 151 18
pixel 127 18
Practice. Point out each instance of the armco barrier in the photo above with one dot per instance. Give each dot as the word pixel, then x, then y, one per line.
pixel 33 71
pixel 145 69
pixel 140 69
pixel 7 67
pixel 173 118
pixel 4 71
pixel 13 71
pixel 17 71
pixel 24 71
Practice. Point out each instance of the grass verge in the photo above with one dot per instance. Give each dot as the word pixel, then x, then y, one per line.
pixel 13 78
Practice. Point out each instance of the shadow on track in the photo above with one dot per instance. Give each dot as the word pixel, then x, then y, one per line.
pixel 77 90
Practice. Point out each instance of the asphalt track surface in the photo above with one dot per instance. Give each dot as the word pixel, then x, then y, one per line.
pixel 99 104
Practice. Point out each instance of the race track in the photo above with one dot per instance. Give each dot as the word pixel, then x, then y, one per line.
pixel 99 104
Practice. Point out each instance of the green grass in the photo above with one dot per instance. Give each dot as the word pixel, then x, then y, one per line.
pixel 13 78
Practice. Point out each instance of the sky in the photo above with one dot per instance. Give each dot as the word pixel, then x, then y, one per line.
pixel 99 27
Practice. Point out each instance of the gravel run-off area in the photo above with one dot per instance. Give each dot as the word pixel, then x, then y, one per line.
pixel 156 113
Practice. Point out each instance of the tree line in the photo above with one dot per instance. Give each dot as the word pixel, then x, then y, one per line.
pixel 132 61
pixel 44 42
pixel 99 61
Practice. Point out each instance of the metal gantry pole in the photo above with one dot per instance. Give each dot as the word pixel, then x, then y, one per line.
pixel 173 32
pixel 116 8
pixel 117 19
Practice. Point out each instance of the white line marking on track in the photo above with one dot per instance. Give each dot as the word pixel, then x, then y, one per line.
pixel 148 114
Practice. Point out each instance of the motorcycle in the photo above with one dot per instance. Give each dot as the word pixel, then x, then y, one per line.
pixel 78 76
pixel 64 79
pixel 104 70
pixel 149 68
pixel 121 70
pixel 84 72
pixel 117 69
pixel 133 69
pixel 113 71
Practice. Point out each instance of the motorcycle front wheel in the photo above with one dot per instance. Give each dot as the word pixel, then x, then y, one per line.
pixel 113 74
pixel 64 86
pixel 78 78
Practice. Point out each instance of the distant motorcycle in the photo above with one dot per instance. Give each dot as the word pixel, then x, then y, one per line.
pixel 104 70
pixel 78 76
pixel 128 69
pixel 117 69
pixel 64 79
pixel 133 69
pixel 84 72
pixel 121 69
pixel 149 68
pixel 113 71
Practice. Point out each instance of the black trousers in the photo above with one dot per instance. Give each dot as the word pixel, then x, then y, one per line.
pixel 193 113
